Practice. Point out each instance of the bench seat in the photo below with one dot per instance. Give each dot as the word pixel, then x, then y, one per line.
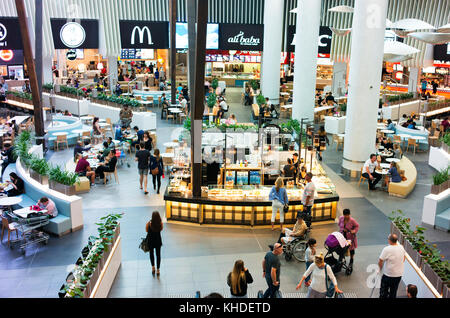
pixel 404 188
pixel 442 220
pixel 59 225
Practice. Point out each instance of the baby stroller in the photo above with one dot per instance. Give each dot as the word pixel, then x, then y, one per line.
pixel 332 246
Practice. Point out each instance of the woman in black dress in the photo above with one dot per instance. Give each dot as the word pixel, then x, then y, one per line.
pixel 17 184
pixel 156 169
pixel 154 241
pixel 147 141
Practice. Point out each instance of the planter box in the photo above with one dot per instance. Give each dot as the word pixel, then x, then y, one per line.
pixel 434 279
pixel 435 189
pixel 410 250
pixel 445 147
pixel 39 178
pixel 67 190
pixel 446 291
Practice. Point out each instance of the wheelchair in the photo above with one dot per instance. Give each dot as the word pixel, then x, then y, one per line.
pixel 297 247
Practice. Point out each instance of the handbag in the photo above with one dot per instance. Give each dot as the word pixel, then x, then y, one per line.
pixel 286 208
pixel 144 245
pixel 330 287
pixel 155 171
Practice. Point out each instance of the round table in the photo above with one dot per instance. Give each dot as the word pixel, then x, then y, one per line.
pixel 80 131
pixel 174 110
pixel 60 133
pixel 385 165
pixel 103 124
pixel 171 144
pixel 386 154
pixel 404 136
pixel 392 160
pixel 102 120
pixel 387 131
pixel 86 118
pixel 10 201
pixel 418 137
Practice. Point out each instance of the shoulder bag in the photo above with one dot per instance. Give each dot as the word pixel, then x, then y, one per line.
pixel 144 245
pixel 155 171
pixel 286 205
pixel 330 286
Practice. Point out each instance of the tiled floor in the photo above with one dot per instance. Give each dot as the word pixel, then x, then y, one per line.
pixel 198 258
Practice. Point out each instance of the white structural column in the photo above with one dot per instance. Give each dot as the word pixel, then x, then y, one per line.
pixel 339 79
pixel 413 80
pixel 112 72
pixel 366 60
pixel 273 34
pixel 47 72
pixel 305 63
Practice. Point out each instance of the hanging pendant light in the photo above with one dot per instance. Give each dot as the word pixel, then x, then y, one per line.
pixel 341 32
pixel 434 38
pixel 342 9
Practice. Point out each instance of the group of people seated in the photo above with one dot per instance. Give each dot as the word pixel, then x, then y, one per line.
pixel 370 168
pixel 328 100
pixel 408 122
pixel 108 162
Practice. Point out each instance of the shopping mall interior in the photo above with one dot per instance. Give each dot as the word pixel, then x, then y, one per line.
pixel 208 148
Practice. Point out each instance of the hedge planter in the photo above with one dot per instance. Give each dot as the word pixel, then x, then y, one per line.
pixel 410 250
pixel 435 189
pixel 445 147
pixel 434 279
pixel 39 178
pixel 67 190
pixel 395 230
pixel 446 291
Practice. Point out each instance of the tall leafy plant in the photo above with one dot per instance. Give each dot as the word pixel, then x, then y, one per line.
pixel 58 175
pixel 211 101
pixel 40 166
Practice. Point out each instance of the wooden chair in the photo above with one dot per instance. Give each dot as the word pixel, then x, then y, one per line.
pixel 339 141
pixel 108 175
pixel 86 135
pixel 61 140
pixel 398 140
pixel 362 179
pixel 10 227
pixel 182 116
pixel 170 115
pixel 432 139
pixel 412 142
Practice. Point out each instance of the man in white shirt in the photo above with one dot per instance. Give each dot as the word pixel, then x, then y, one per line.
pixel 223 105
pixel 369 171
pixel 308 197
pixel 183 101
pixel 391 264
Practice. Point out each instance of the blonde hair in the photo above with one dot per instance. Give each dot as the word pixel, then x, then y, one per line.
pixel 237 274
pixel 279 183
pixel 318 260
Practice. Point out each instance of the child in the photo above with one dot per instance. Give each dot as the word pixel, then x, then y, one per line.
pixel 309 256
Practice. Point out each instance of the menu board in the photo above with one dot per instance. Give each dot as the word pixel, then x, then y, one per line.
pixel 137 54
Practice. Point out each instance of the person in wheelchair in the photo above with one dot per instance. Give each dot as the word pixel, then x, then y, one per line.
pixel 299 230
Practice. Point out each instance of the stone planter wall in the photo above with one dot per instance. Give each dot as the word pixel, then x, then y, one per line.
pixel 67 190
pixel 39 178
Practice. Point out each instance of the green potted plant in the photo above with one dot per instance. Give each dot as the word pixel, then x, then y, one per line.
pixel 215 83
pixel 254 84
pixel 211 101
pixel 39 170
pixel 439 182
pixel 445 142
pixel 260 100
pixel 62 181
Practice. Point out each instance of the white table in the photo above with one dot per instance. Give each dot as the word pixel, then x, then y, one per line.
pixel 335 125
pixel 392 160
pixel 418 137
pixel 385 165
pixel 60 133
pixel 24 212
pixel 10 201
pixel 103 124
pixel 79 132
pixel 19 119
pixel 341 135
pixel 86 118
pixel 286 106
pixel 145 102
pixel 284 93
pixel 171 144
pixel 387 131
pixel 404 136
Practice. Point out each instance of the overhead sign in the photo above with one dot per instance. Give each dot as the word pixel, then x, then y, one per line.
pixel 71 55
pixel 79 34
pixel 144 34
pixel 241 37
pixel 442 52
pixel 324 41
pixel 11 57
pixel 10 37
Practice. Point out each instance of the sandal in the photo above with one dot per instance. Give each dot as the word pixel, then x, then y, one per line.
pixel 153 270
pixel 157 272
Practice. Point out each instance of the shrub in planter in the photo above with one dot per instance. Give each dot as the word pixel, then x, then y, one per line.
pixel 434 278
pixel 39 170
pixel 446 291
pixel 395 230
pixel 440 181
pixel 62 181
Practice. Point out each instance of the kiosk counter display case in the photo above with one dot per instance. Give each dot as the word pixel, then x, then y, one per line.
pixel 244 205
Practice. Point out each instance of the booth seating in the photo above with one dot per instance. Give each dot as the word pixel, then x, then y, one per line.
pixel 423 144
pixel 442 219
pixel 403 188
pixel 70 213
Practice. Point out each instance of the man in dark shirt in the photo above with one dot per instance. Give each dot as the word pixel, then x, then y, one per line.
pixel 78 148
pixel 143 159
pixel 271 271
pixel 329 99
pixel 296 163
pixel 108 166
pixel 139 133
pixel 10 156
pixel 83 169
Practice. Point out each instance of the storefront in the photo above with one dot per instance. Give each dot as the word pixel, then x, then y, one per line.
pixel 238 192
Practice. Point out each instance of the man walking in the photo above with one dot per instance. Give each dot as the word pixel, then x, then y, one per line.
pixel 271 271
pixel 391 264
pixel 143 159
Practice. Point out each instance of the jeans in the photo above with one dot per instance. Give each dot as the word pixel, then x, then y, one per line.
pixel 270 292
pixel 389 286
pixel 376 178
pixel 307 266
pixel 315 294
pixel 156 178
pixel 277 205
pixel 158 256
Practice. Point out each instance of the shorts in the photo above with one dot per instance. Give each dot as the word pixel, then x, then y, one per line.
pixel 143 171
pixel 82 174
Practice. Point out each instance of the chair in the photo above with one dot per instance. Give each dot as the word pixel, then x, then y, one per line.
pixel 108 174
pixel 10 227
pixel 412 142
pixel 434 138
pixel 170 115
pixel 86 135
pixel 398 140
pixel 61 140
pixel 108 128
pixel 182 116
pixel 362 179
pixel 339 141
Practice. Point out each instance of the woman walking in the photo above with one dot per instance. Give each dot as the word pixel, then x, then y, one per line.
pixel 154 241
pixel 279 198
pixel 238 280
pixel 156 169
pixel 96 131
pixel 318 286
pixel 349 227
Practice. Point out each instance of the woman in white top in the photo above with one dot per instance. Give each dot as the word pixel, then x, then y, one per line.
pixel 318 287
